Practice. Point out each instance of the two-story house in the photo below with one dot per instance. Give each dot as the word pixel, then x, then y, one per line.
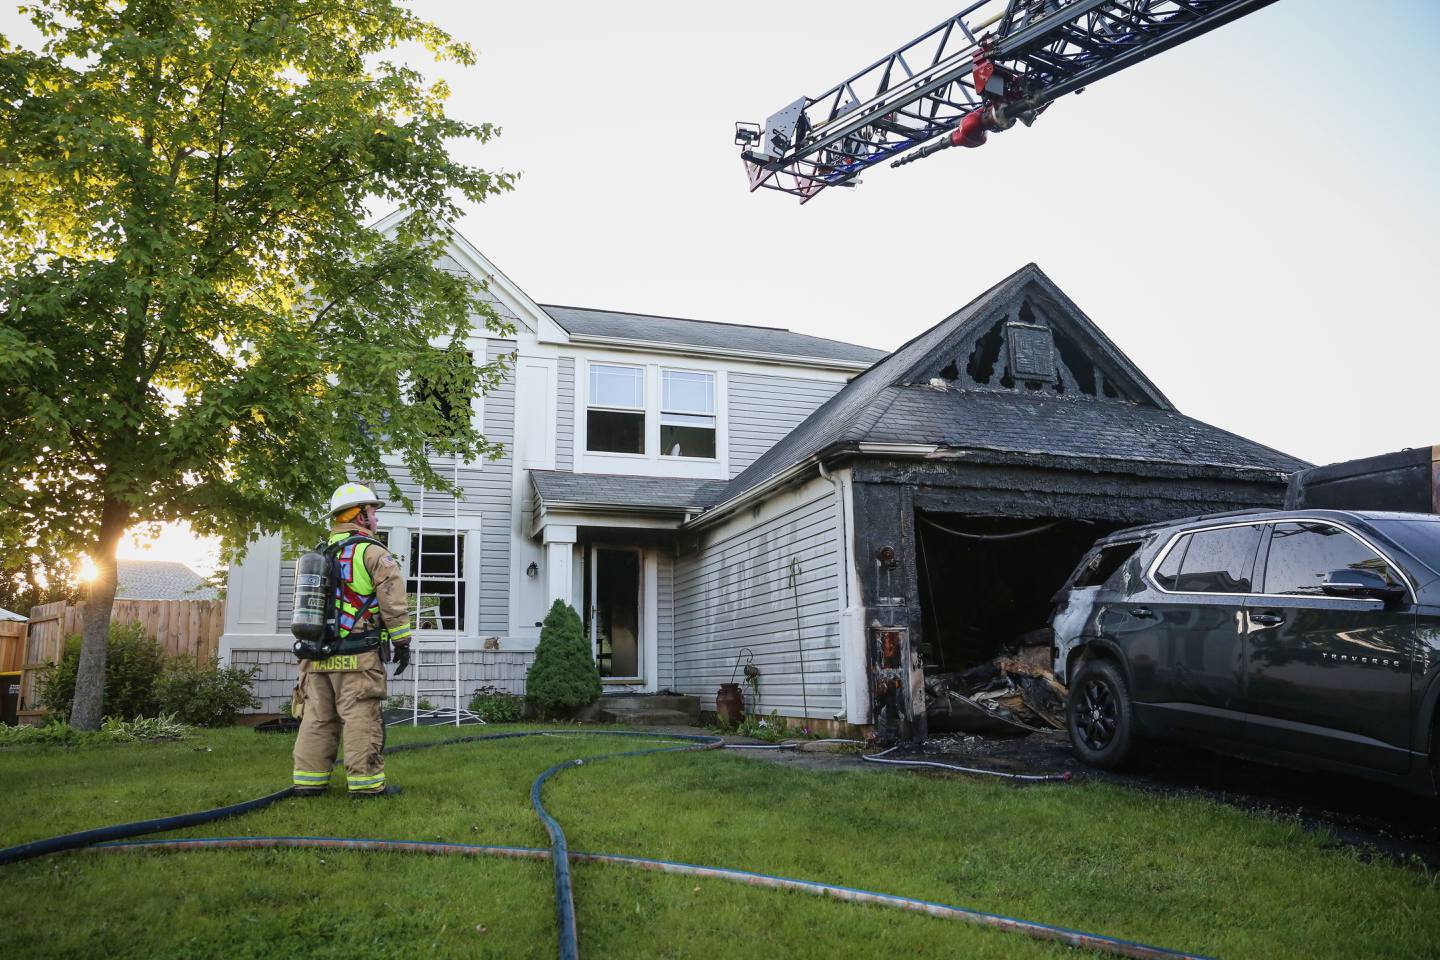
pixel 707 494
pixel 615 425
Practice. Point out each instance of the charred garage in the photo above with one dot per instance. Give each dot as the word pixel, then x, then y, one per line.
pixel 982 460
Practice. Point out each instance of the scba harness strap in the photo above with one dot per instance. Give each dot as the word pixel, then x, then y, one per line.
pixel 351 607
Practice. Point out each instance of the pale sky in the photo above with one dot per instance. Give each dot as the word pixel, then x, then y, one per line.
pixel 1250 216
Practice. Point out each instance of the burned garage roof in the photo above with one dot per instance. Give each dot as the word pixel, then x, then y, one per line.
pixel 1058 426
pixel 1020 369
pixel 559 488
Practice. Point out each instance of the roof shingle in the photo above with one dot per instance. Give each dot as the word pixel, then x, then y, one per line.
pixel 647 328
pixel 613 490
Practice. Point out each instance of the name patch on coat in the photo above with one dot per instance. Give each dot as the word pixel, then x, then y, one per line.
pixel 339 662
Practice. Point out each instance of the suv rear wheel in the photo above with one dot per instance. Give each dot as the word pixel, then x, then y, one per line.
pixel 1099 715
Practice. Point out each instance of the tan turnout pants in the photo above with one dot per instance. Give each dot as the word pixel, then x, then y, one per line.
pixel 344 691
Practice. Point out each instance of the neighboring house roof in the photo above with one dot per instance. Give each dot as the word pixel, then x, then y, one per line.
pixel 159 580
pixel 642 328
pixel 893 402
pixel 557 488
pixel 11 615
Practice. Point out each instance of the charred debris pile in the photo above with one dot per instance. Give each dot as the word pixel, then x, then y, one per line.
pixel 1009 696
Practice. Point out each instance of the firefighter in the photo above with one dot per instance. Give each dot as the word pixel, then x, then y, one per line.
pixel 346 689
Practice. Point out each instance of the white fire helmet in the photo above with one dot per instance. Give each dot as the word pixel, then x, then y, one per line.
pixel 353 495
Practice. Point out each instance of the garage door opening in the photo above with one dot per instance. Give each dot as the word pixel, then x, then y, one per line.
pixel 986 582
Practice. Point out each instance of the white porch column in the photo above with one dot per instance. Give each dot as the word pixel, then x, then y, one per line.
pixel 559 548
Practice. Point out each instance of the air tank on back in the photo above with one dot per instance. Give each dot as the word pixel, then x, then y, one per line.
pixel 307 616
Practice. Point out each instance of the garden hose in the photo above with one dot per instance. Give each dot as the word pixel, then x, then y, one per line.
pixel 560 855
pixel 1004 774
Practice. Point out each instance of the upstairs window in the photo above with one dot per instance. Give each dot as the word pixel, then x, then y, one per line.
pixel 615 419
pixel 428 392
pixel 687 414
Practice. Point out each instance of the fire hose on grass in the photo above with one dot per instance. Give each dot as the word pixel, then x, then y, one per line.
pixel 110 839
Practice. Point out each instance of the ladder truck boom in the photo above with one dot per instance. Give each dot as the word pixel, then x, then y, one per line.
pixel 993 63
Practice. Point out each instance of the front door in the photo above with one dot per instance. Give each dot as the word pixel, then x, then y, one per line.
pixel 614 611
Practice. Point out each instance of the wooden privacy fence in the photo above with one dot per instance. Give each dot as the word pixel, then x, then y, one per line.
pixel 12 645
pixel 180 627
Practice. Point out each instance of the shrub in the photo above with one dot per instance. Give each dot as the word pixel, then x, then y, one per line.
pixel 563 676
pixel 494 705
pixel 204 696
pixel 132 663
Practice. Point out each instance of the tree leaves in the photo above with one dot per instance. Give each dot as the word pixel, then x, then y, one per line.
pixel 195 320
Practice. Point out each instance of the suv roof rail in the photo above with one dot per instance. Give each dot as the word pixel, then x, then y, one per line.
pixel 1196 518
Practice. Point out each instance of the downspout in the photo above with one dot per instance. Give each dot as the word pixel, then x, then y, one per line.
pixel 854 667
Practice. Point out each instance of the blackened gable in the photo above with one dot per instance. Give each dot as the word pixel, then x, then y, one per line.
pixel 1020 369
pixel 1031 338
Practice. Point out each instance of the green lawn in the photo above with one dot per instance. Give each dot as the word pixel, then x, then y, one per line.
pixel 1181 873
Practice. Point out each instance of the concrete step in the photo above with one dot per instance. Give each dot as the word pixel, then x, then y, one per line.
pixel 644 709
pixel 652 718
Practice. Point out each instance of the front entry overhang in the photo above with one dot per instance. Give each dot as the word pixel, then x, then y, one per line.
pixel 613 501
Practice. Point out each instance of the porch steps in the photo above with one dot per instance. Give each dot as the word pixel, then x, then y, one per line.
pixel 644 709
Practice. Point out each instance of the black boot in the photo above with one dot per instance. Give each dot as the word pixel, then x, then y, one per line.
pixel 390 790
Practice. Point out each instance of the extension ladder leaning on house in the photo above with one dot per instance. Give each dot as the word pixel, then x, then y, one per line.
pixel 435 646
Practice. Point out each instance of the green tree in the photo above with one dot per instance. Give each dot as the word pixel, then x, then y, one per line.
pixel 563 675
pixel 196 321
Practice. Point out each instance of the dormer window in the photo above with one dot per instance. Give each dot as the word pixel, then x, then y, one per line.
pixel 687 414
pixel 615 419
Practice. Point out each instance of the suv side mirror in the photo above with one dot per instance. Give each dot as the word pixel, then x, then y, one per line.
pixel 1351 582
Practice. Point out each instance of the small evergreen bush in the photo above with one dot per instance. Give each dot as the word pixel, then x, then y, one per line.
pixel 563 676
pixel 494 705
pixel 133 662
pixel 204 696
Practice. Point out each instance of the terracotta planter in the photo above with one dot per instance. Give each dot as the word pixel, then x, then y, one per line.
pixel 730 704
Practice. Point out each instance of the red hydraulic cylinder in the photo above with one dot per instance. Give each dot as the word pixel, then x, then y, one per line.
pixel 971 131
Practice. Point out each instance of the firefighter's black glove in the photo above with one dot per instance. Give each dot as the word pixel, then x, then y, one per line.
pixel 402 658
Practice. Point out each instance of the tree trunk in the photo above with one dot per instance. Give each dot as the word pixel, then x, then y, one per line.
pixel 99 600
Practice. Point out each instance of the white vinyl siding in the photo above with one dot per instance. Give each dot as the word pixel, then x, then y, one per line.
pixel 565 414
pixel 764 408
pixel 735 592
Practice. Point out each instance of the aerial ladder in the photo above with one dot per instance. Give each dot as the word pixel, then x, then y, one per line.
pixel 994 63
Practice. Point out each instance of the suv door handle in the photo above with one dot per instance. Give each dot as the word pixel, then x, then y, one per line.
pixel 1142 612
pixel 1267 619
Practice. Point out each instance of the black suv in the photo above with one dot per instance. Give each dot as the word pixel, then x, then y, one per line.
pixel 1309 638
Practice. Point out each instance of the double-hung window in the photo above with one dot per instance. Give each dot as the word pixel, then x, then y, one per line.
pixel 687 414
pixel 436 582
pixel 615 419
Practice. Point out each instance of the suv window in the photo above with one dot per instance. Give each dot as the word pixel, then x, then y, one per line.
pixel 1102 564
pixel 1302 554
pixel 1210 561
pixel 1169 570
pixel 1421 537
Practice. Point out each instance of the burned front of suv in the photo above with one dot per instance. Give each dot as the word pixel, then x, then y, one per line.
pixel 1105 575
